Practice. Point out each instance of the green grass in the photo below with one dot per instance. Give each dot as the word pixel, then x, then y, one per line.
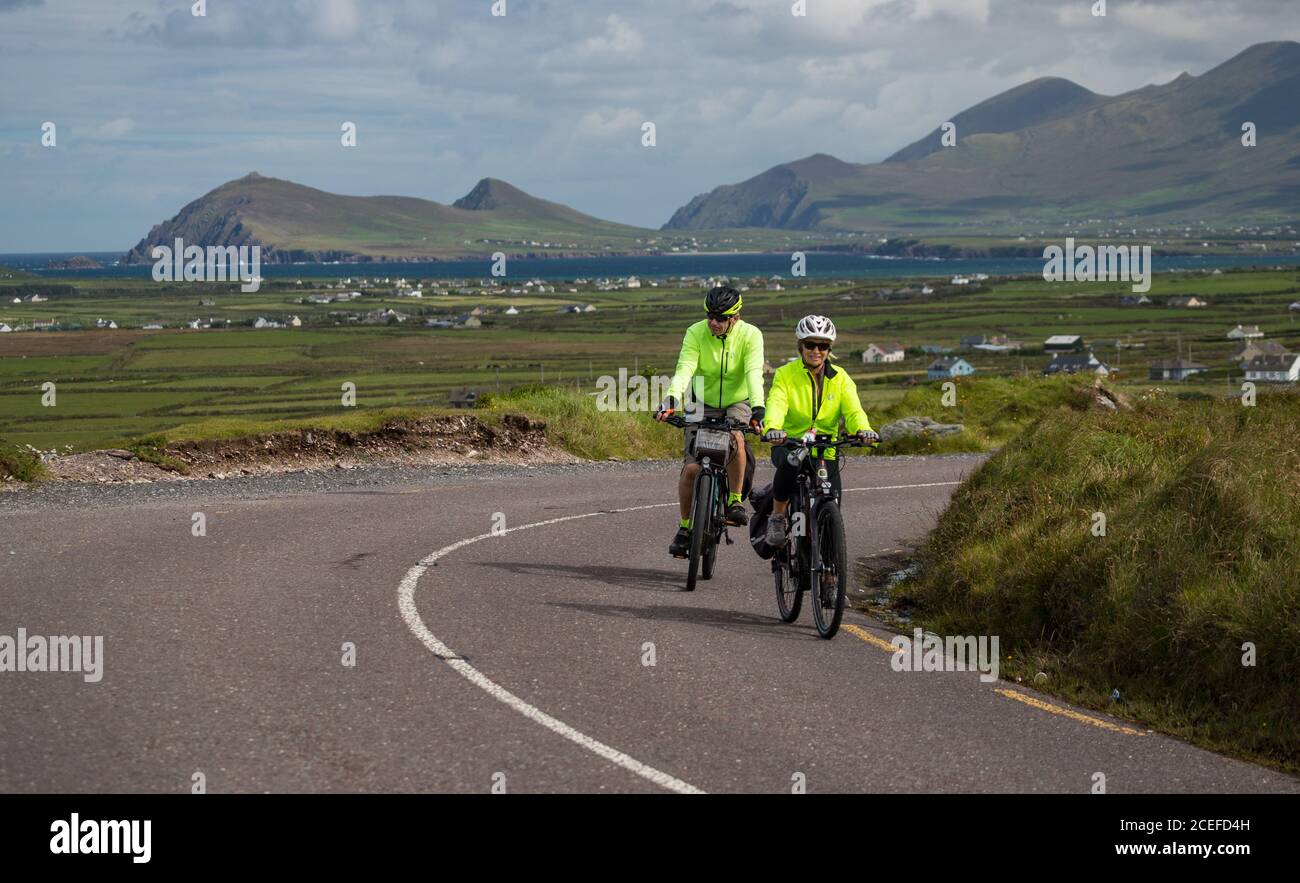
pixel 1200 554
pixel 574 423
pixel 148 382
pixel 993 410
pixel 18 464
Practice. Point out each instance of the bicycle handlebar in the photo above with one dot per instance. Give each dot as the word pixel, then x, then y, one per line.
pixel 825 441
pixel 726 423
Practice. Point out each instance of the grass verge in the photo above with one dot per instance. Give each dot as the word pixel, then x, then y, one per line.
pixel 18 464
pixel 1195 573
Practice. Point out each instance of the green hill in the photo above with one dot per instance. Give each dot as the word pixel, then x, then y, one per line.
pixel 292 222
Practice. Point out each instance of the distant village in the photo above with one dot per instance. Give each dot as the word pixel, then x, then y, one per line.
pixel 1258 359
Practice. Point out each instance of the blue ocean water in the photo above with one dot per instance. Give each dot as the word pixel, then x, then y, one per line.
pixel 819 265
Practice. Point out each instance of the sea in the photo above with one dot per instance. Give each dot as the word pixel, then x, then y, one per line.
pixel 833 265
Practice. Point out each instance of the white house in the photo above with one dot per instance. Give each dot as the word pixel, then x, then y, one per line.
pixel 632 282
pixel 960 280
pixel 296 322
pixel 876 354
pixel 1294 306
pixel 4 329
pixel 1074 363
pixel 1274 369
pixel 1245 332
pixel 512 311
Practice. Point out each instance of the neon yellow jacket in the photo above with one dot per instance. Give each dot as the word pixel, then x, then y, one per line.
pixel 790 403
pixel 724 372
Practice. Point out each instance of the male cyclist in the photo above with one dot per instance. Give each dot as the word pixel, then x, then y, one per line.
pixel 809 395
pixel 722 362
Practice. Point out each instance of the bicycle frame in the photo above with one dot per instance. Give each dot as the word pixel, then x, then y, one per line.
pixel 709 527
pixel 812 489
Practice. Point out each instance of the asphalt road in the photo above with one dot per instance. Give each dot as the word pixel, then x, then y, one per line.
pixel 516 661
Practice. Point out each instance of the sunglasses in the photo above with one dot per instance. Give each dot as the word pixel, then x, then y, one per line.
pixel 820 347
pixel 718 317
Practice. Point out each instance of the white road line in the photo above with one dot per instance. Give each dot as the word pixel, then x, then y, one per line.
pixel 411 615
pixel 899 487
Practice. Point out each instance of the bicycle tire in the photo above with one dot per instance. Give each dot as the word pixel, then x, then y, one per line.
pixel 789 594
pixel 710 557
pixel 830 538
pixel 701 507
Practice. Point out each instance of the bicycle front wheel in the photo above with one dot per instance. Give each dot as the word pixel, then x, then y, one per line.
pixel 830 587
pixel 701 508
pixel 789 597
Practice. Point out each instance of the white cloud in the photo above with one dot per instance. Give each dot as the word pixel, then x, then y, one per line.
pixel 976 11
pixel 336 19
pixel 622 123
pixel 118 128
pixel 619 38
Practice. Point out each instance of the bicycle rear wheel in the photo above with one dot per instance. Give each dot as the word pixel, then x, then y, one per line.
pixel 701 508
pixel 830 587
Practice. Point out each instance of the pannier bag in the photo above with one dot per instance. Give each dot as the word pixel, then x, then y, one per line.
pixel 761 500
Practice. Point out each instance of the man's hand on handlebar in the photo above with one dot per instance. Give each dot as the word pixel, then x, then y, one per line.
pixel 669 407
pixel 775 436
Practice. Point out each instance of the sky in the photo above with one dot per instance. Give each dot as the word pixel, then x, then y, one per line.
pixel 154 106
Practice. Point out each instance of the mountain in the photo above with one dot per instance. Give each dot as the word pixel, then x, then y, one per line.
pixel 1051 150
pixel 292 222
pixel 1037 101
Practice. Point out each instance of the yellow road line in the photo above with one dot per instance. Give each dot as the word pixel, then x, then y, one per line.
pixel 1066 712
pixel 863 634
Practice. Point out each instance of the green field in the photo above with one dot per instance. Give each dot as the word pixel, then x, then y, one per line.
pixel 116 384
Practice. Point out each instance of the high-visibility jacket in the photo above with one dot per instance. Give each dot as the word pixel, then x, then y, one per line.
pixel 794 405
pixel 720 371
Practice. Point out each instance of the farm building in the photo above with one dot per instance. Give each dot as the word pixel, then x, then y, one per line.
pixel 1063 343
pixel 1174 369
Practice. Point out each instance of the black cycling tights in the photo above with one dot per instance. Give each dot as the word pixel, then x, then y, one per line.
pixel 787 476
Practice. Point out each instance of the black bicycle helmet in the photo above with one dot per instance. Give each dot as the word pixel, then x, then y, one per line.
pixel 724 300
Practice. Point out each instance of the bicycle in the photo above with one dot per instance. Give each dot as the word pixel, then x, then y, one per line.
pixel 710 447
pixel 819 547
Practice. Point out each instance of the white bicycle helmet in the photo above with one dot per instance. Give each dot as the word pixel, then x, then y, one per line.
pixel 815 326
